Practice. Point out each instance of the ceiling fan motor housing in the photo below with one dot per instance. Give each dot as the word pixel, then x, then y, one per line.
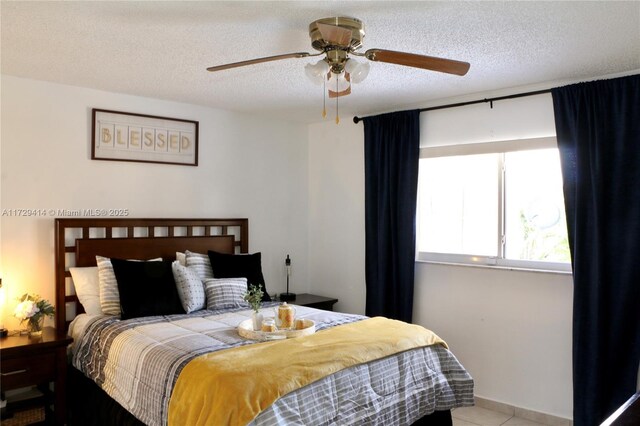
pixel 336 59
pixel 354 25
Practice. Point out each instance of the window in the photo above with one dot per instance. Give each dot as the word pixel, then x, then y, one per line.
pixel 502 208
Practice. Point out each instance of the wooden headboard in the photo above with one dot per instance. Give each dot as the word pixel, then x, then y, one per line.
pixel 79 240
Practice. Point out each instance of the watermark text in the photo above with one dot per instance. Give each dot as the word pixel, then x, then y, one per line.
pixel 99 212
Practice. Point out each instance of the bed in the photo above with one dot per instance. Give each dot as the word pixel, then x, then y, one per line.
pixel 135 369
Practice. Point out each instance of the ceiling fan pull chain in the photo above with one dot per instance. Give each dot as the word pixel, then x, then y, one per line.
pixel 324 99
pixel 337 97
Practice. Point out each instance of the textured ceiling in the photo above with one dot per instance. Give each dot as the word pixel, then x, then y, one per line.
pixel 161 49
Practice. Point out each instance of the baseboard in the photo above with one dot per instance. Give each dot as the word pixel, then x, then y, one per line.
pixel 523 413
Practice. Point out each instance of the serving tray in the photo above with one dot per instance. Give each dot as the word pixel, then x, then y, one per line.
pixel 245 329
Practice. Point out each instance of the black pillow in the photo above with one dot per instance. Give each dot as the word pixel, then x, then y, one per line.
pixel 146 288
pixel 247 266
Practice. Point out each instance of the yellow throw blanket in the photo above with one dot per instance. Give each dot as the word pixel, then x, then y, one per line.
pixel 231 387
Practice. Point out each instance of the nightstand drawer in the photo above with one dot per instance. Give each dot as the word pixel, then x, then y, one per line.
pixel 28 370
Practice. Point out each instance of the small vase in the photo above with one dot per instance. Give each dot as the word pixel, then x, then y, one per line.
pixel 34 326
pixel 257 321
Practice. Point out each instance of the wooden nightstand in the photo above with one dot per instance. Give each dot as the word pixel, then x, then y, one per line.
pixel 314 301
pixel 27 361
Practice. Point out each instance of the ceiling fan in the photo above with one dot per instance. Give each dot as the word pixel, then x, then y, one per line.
pixel 339 38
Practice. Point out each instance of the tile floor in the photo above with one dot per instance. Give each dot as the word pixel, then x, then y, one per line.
pixel 478 416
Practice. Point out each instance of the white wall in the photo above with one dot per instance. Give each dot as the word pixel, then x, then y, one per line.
pixel 248 167
pixel 336 213
pixel 511 329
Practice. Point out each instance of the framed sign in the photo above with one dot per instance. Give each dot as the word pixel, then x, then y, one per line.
pixel 122 136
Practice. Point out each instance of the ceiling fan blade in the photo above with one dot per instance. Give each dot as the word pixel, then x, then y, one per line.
pixel 260 60
pixel 334 34
pixel 418 61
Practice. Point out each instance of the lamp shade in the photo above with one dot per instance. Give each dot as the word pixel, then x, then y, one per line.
pixel 316 72
pixel 3 331
pixel 358 70
pixel 338 82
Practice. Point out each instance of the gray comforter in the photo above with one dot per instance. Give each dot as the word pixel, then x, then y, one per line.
pixel 137 363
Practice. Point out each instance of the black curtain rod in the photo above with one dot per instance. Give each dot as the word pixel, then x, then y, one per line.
pixel 479 101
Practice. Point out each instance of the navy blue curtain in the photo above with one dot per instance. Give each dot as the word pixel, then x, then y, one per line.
pixel 391 158
pixel 598 131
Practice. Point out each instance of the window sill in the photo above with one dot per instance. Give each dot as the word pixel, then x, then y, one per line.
pixel 504 268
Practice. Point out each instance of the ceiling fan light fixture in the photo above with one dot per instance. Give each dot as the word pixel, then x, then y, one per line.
pixel 338 82
pixel 358 70
pixel 317 72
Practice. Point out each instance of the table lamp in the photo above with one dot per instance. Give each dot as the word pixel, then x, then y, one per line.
pixel 285 297
pixel 3 331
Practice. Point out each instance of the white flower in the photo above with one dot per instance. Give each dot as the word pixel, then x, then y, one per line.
pixel 26 309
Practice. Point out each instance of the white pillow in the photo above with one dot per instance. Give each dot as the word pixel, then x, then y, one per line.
pixel 182 258
pixel 87 285
pixel 109 294
pixel 200 263
pixel 225 292
pixel 190 288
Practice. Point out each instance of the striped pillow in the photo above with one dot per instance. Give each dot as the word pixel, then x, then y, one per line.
pixel 109 294
pixel 200 263
pixel 225 292
pixel 190 288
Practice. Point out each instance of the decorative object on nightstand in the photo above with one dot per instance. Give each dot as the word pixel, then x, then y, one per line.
pixel 286 297
pixel 33 309
pixel 36 362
